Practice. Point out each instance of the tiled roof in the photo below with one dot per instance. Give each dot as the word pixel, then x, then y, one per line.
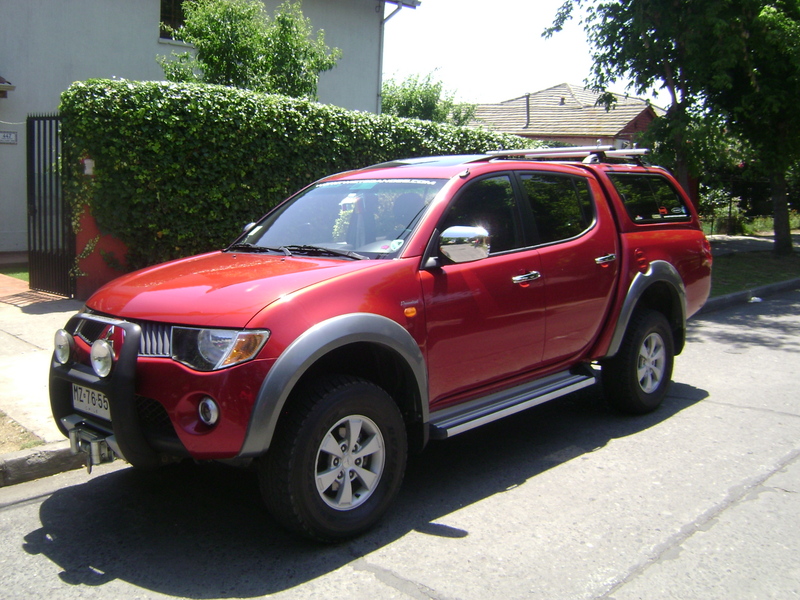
pixel 566 111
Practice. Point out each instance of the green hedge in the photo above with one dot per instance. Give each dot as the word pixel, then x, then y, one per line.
pixel 180 168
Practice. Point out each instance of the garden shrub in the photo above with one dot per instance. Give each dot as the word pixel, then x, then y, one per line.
pixel 180 168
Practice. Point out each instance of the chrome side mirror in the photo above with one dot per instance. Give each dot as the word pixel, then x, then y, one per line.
pixel 248 227
pixel 463 244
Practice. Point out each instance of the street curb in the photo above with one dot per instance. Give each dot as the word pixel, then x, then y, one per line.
pixel 720 302
pixel 54 458
pixel 38 462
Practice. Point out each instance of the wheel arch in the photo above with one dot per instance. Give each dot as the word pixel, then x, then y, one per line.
pixel 361 344
pixel 660 288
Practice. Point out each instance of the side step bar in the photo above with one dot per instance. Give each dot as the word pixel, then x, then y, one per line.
pixel 451 421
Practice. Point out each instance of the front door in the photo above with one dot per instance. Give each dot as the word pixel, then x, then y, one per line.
pixel 482 326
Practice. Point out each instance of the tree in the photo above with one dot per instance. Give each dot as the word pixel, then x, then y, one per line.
pixel 236 44
pixel 424 98
pixel 722 62
pixel 757 87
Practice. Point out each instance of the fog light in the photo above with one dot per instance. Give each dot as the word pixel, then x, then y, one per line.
pixel 208 411
pixel 63 346
pixel 102 356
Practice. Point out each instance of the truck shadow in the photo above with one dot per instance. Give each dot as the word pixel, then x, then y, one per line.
pixel 200 531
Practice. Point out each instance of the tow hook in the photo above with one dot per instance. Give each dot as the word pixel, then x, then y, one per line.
pixel 99 448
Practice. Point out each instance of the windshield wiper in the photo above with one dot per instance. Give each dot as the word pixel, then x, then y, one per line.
pixel 248 247
pixel 322 251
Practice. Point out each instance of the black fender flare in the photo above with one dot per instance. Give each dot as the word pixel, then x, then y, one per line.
pixel 312 345
pixel 658 271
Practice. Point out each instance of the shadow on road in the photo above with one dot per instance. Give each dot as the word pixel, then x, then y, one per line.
pixel 201 531
pixel 752 324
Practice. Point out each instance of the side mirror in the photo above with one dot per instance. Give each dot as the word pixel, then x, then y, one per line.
pixel 463 244
pixel 248 227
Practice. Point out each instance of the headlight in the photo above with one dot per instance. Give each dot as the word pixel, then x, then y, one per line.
pixel 212 349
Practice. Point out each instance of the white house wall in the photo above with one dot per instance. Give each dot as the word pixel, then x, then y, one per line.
pixel 45 45
pixel 354 26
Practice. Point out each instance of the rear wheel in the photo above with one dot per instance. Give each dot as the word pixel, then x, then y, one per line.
pixel 337 461
pixel 637 378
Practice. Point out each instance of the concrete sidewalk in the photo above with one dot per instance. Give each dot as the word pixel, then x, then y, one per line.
pixel 29 319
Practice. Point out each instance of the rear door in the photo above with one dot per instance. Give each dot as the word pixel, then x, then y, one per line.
pixel 578 249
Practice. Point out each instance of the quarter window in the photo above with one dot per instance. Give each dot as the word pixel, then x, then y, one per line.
pixel 649 198
pixel 561 204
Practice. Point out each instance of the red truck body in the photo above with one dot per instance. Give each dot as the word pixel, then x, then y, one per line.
pixel 516 277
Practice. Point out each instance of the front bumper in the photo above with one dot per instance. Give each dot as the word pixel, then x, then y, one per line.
pixel 100 439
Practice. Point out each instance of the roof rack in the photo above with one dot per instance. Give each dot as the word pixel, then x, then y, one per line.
pixel 589 154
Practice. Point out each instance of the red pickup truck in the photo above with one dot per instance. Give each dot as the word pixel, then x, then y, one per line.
pixel 379 308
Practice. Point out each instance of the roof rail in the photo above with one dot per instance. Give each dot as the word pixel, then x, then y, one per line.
pixel 588 153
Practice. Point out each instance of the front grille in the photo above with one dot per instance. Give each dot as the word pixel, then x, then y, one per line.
pixel 155 341
pixel 89 331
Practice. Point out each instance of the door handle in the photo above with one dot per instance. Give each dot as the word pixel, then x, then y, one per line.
pixel 526 277
pixel 604 260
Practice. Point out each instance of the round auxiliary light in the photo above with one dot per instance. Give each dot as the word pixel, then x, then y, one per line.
pixel 208 411
pixel 102 357
pixel 63 346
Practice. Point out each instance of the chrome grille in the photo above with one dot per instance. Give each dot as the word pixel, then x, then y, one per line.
pixel 155 339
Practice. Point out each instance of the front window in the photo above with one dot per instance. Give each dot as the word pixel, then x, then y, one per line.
pixel 488 203
pixel 362 219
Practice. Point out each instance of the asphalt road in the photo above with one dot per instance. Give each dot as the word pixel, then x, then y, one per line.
pixel 700 499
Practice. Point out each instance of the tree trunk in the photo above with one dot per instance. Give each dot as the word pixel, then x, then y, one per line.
pixel 780 214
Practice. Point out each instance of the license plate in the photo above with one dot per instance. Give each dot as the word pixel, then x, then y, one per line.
pixel 90 401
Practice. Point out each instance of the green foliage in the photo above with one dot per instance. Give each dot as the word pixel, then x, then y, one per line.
pixel 180 168
pixel 297 59
pixel 424 99
pixel 236 44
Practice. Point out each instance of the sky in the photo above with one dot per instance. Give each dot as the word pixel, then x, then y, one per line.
pixel 485 51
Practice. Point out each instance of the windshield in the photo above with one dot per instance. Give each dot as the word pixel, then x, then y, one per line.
pixel 355 219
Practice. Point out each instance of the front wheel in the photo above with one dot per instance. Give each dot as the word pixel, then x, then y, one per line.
pixel 337 460
pixel 637 378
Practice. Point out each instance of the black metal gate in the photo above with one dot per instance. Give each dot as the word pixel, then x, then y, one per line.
pixel 51 241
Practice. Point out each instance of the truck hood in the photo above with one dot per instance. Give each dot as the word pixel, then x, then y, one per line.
pixel 219 289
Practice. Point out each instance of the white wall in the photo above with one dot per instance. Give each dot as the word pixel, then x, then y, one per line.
pixel 354 26
pixel 45 45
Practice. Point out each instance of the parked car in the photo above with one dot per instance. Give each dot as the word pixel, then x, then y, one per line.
pixel 379 308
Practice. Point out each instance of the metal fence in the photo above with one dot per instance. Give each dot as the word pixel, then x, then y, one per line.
pixel 51 241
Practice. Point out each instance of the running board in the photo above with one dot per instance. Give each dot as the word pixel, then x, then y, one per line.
pixel 451 421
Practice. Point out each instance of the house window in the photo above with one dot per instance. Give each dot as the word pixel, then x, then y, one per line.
pixel 172 15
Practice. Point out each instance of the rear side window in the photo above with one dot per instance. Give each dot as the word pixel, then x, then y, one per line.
pixel 561 204
pixel 649 198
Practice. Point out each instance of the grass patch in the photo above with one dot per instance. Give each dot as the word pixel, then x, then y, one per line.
pixel 747 270
pixel 18 271
pixel 14 437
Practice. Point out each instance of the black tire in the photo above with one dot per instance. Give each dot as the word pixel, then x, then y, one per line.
pixel 636 380
pixel 347 434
